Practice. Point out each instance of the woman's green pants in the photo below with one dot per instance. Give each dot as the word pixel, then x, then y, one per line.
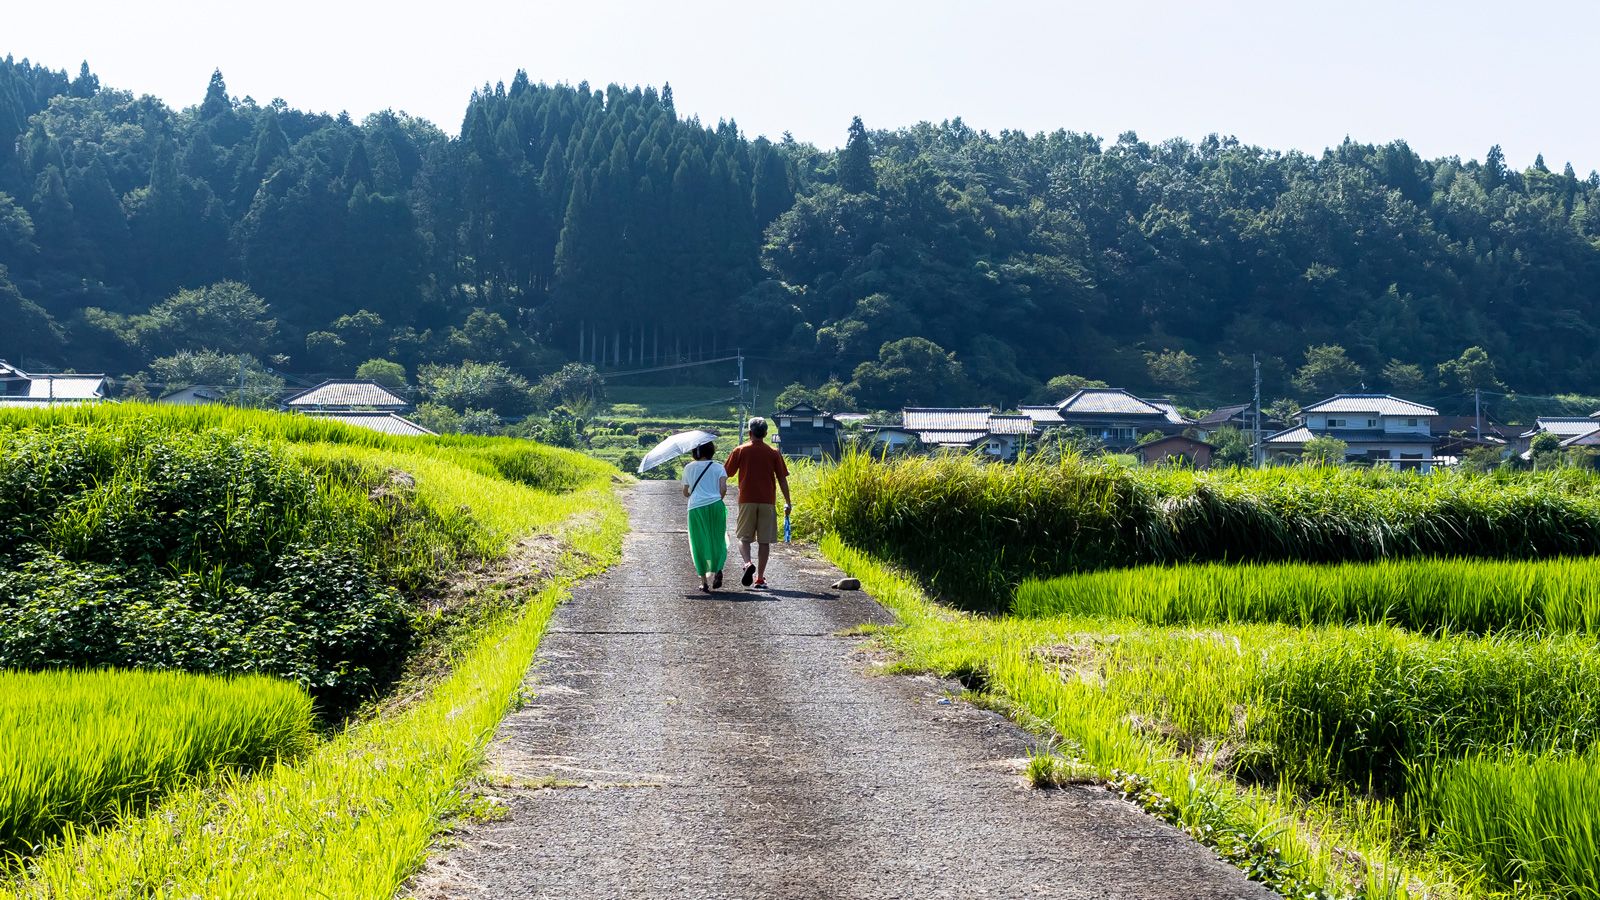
pixel 708 537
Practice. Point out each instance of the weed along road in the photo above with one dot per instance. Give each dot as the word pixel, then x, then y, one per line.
pixel 738 746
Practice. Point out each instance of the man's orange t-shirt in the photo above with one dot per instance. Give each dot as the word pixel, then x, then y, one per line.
pixel 758 467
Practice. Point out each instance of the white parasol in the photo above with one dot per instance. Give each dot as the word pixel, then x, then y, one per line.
pixel 673 447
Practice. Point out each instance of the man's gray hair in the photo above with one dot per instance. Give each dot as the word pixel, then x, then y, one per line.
pixel 758 427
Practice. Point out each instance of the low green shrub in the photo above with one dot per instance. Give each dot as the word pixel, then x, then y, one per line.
pixel 319 617
pixel 1482 596
pixel 204 550
pixel 81 747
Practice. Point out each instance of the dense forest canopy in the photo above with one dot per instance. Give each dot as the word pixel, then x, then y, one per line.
pixel 929 264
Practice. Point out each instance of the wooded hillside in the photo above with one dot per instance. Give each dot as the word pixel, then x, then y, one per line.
pixel 568 222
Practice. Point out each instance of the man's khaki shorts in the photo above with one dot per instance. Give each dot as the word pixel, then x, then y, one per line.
pixel 758 522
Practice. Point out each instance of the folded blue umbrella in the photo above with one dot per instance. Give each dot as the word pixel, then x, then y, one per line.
pixel 786 527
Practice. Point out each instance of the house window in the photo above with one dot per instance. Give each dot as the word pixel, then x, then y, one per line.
pixel 1411 423
pixel 1372 423
pixel 818 423
pixel 1336 423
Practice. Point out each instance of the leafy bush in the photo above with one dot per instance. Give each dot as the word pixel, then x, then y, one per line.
pixel 204 551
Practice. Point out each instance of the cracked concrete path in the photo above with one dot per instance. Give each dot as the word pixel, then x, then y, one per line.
pixel 737 747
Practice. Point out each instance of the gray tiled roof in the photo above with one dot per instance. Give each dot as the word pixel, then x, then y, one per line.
pixel 1042 415
pixel 386 422
pixel 1300 434
pixel 1565 426
pixel 1291 436
pixel 1171 409
pixel 1108 400
pixel 950 438
pixel 1380 404
pixel 1588 439
pixel 44 388
pixel 946 418
pixel 1222 415
pixel 1010 424
pixel 347 395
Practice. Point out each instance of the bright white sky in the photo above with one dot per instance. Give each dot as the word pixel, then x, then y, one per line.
pixel 1450 77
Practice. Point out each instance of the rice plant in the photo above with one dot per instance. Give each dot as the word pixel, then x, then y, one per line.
pixel 1524 821
pixel 1369 707
pixel 1559 595
pixel 974 531
pixel 84 746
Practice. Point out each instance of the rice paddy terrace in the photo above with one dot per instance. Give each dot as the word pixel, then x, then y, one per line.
pixel 1352 683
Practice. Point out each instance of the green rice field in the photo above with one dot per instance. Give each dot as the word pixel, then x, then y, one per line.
pixel 1351 684
pixel 84 746
pixel 1560 595
pixel 1040 519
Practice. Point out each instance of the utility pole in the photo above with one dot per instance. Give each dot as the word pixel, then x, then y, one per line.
pixel 740 385
pixel 1255 423
pixel 1477 410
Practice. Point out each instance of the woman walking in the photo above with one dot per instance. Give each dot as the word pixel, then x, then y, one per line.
pixel 705 483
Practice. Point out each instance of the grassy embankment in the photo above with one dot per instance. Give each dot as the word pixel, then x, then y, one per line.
pixel 1328 760
pixel 353 816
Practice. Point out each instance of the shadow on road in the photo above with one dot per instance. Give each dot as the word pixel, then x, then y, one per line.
pixel 733 596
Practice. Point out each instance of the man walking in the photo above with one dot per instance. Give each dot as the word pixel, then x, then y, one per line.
pixel 759 467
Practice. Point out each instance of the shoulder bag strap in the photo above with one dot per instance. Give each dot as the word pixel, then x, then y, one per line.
pixel 702 476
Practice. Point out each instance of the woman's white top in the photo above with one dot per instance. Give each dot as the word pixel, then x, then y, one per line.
pixel 709 491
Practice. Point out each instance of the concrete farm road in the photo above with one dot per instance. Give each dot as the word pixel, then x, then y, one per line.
pixel 737 746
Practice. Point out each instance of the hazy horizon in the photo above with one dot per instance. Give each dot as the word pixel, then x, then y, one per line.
pixel 1280 78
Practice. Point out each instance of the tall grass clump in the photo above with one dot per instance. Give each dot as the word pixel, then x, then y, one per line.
pixel 1523 821
pixel 971 530
pixel 82 746
pixel 974 531
pixel 1368 707
pixel 1558 595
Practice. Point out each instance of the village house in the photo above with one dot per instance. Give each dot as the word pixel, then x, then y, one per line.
pixel 340 395
pixel 1111 415
pixel 363 404
pixel 33 389
pixel 979 428
pixel 1177 449
pixel 1564 427
pixel 195 395
pixel 1237 415
pixel 805 432
pixel 1376 428
pixel 374 420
